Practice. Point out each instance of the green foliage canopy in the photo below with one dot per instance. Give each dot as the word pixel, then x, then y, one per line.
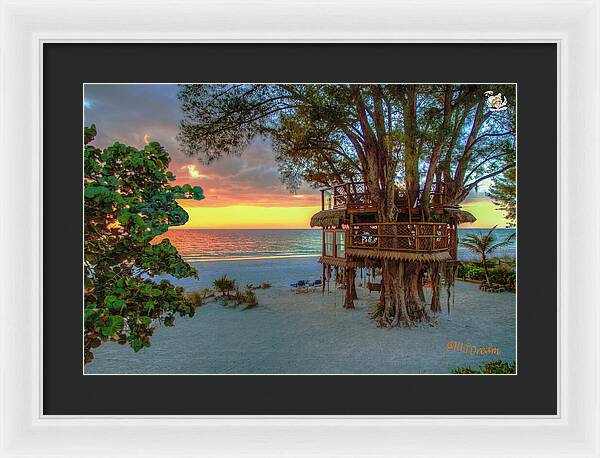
pixel 128 202
pixel 504 193
pixel 496 366
pixel 379 133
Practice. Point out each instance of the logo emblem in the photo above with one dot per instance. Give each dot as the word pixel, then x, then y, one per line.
pixel 495 102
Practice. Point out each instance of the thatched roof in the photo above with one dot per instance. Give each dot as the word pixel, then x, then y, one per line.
pixel 461 216
pixel 328 218
pixel 399 255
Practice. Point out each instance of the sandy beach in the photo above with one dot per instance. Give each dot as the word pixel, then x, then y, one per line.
pixel 290 333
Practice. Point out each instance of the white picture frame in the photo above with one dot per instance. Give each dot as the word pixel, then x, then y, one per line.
pixel 572 25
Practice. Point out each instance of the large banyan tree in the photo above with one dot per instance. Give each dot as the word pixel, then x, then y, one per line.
pixel 406 138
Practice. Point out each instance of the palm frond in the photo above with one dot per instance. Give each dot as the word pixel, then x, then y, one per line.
pixel 476 248
pixel 502 244
pixel 491 231
pixel 475 243
pixel 489 238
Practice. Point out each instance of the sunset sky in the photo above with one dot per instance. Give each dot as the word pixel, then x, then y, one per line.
pixel 241 192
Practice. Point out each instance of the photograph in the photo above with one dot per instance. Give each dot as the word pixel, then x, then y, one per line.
pixel 299 228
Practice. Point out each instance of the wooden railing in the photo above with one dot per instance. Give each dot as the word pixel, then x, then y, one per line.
pixel 356 196
pixel 414 237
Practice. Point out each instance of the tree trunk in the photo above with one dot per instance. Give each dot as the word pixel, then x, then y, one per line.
pixel 414 305
pixel 485 269
pixel 350 275
pixel 420 286
pixel 435 289
pixel 400 295
pixel 396 292
pixel 402 303
pixel 389 280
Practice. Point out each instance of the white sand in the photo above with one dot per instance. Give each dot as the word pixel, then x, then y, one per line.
pixel 291 333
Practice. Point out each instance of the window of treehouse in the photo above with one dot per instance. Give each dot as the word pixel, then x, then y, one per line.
pixel 340 246
pixel 328 243
pixel 327 201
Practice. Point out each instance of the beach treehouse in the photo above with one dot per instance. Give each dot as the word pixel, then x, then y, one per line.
pixel 353 238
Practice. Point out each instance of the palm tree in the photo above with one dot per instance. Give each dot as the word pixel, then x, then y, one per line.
pixel 485 245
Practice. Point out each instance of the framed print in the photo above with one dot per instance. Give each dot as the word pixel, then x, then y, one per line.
pixel 237 236
pixel 201 245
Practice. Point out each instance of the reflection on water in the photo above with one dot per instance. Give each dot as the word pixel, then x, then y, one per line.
pixel 238 244
pixel 208 244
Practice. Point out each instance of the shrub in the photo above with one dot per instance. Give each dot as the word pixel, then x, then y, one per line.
pixel 195 298
pixel 499 367
pixel 206 293
pixel 464 370
pixel 247 296
pixel 496 366
pixel 250 299
pixel 377 310
pixel 503 275
pixel 470 272
pixel 224 285
pixel 238 297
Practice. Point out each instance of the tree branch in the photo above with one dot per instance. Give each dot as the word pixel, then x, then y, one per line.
pixel 489 175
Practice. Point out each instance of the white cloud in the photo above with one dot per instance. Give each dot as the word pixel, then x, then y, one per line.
pixel 193 171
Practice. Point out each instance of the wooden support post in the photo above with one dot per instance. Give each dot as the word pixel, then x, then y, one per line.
pixel 349 274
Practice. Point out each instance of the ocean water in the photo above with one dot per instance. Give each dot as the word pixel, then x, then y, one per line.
pixel 197 245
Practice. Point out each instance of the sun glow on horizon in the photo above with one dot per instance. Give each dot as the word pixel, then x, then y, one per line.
pixel 280 217
pixel 487 214
pixel 248 217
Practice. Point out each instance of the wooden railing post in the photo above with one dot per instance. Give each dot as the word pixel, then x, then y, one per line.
pixel 334 247
pixel 347 189
pixel 335 196
pixel 417 244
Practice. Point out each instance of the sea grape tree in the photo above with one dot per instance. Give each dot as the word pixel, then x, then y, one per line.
pixel 128 202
